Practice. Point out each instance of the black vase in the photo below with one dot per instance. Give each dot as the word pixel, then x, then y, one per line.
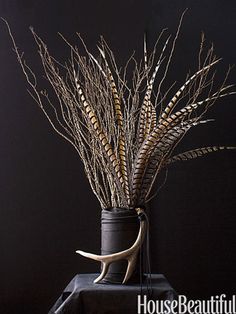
pixel 119 230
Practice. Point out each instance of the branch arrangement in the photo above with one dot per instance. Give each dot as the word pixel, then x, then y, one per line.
pixel 124 129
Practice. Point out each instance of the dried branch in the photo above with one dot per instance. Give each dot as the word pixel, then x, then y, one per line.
pixel 113 124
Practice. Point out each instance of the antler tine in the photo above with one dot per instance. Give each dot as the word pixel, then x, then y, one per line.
pixel 105 267
pixel 130 267
pixel 130 254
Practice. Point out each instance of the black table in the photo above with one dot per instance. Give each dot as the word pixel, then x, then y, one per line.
pixel 82 296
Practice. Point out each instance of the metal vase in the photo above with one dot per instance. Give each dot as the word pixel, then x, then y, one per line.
pixel 119 230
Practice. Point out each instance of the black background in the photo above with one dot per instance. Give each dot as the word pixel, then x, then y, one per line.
pixel 47 210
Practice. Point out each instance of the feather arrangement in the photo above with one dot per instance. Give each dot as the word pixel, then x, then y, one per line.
pixel 125 131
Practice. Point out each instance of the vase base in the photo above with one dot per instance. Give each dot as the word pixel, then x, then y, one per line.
pixel 118 279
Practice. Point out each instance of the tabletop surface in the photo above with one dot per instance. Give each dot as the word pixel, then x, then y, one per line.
pixel 83 296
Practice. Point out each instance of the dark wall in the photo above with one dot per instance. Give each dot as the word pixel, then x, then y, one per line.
pixel 47 210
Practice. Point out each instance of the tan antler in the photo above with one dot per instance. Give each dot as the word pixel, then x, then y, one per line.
pixel 130 254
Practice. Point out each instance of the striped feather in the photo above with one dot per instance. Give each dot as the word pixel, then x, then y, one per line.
pixel 158 156
pixel 180 115
pixel 173 101
pixel 142 157
pixel 100 134
pixel 153 119
pixel 145 111
pixel 145 52
pixel 198 152
pixel 119 118
pixel 146 108
pixel 151 161
pixel 146 150
pixel 150 143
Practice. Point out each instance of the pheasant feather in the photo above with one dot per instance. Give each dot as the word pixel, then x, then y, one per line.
pixel 173 101
pixel 119 119
pixel 198 152
pixel 124 144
